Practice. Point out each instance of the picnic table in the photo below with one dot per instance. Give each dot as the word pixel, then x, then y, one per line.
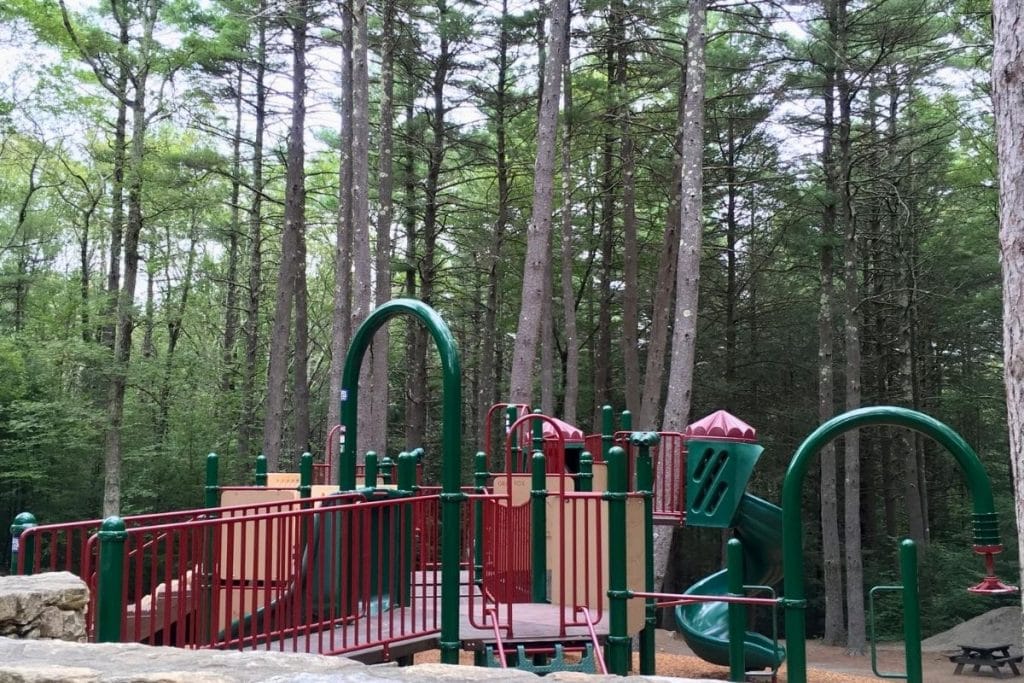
pixel 995 657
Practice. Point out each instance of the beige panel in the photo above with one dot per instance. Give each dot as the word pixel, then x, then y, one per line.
pixel 583 535
pixel 520 488
pixel 600 477
pixel 283 479
pixel 248 560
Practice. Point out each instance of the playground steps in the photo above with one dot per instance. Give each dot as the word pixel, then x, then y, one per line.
pixel 154 612
pixel 545 659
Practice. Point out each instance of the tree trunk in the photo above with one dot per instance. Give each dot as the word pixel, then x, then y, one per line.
pixel 379 397
pixel 665 287
pixel 684 336
pixel 251 328
pixel 489 366
pixel 227 381
pixel 341 311
pixel 291 243
pixel 126 298
pixel 835 627
pixel 855 619
pixel 1008 99
pixel 538 232
pixel 362 294
pixel 630 292
pixel 571 374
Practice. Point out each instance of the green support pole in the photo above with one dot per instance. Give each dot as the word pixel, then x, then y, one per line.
pixel 306 475
pixel 261 470
pixel 586 475
pixel 211 499
pixel 451 446
pixel 737 612
pixel 538 434
pixel 539 529
pixel 387 466
pixel 607 431
pixel 109 607
pixel 480 477
pixel 626 421
pixel 911 612
pixel 24 520
pixel 645 485
pixel 211 491
pixel 371 469
pixel 407 485
pixel 986 531
pixel 619 642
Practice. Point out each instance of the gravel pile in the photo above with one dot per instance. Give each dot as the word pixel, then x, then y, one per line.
pixel 996 627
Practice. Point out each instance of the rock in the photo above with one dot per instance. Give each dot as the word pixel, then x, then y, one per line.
pixel 49 605
pixel 31 661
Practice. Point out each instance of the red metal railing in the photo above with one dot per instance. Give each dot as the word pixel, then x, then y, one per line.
pixel 335 578
pixel 669 460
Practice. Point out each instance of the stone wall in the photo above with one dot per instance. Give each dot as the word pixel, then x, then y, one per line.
pixel 43 661
pixel 50 605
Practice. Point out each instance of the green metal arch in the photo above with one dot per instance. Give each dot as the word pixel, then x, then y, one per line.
pixel 986 532
pixel 451 437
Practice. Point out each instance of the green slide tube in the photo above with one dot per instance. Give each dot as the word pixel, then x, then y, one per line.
pixel 705 625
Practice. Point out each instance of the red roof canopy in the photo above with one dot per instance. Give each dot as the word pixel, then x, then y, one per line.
pixel 569 433
pixel 723 426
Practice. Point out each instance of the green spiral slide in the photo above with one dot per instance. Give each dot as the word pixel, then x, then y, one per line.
pixel 705 625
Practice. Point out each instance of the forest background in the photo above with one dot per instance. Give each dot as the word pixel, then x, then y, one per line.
pixel 199 199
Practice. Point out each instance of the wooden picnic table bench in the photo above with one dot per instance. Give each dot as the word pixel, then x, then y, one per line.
pixel 995 657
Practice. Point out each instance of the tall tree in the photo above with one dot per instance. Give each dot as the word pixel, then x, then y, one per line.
pixel 292 248
pixel 1008 98
pixel 684 334
pixel 538 234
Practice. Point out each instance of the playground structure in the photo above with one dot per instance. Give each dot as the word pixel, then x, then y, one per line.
pixel 548 555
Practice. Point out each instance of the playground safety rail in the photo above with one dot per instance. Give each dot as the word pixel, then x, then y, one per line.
pixel 336 578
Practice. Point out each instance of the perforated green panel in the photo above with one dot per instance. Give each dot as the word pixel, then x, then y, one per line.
pixel 717 476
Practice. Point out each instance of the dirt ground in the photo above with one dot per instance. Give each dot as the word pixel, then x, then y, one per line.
pixel 825 664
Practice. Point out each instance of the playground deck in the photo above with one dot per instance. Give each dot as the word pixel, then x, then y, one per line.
pixel 382 639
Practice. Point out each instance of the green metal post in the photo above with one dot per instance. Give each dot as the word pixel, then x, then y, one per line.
pixel 911 611
pixel 737 612
pixel 23 521
pixel 538 434
pixel 407 485
pixel 619 642
pixel 607 431
pixel 112 535
pixel 261 470
pixel 306 475
pixel 986 532
pixel 451 446
pixel 539 529
pixel 371 469
pixel 211 490
pixel 480 477
pixel 211 495
pixel 586 475
pixel 626 421
pixel 387 466
pixel 645 485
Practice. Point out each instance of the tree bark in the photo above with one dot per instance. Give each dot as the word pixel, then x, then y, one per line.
pixel 572 345
pixel 684 336
pixel 835 626
pixel 1008 100
pixel 538 233
pixel 294 217
pixel 665 288
pixel 251 328
pixel 234 233
pixel 385 214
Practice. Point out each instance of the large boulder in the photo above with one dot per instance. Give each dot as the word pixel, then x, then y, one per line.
pixel 50 605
